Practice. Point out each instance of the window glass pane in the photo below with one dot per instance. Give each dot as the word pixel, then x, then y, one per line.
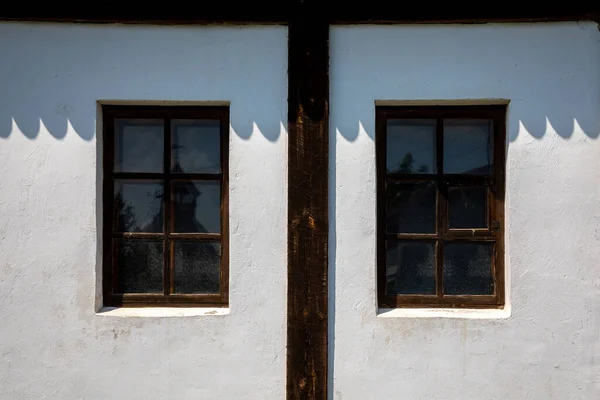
pixel 468 269
pixel 410 267
pixel 139 266
pixel 411 207
pixel 197 206
pixel 139 145
pixel 411 146
pixel 467 207
pixel 138 206
pixel 196 146
pixel 467 146
pixel 197 267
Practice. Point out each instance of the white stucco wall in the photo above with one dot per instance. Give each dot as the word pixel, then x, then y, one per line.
pixel 52 342
pixel 549 347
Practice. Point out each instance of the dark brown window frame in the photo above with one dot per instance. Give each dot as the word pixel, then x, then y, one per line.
pixel 167 298
pixel 496 186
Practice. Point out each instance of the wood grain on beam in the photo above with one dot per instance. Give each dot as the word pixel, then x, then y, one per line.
pixel 308 91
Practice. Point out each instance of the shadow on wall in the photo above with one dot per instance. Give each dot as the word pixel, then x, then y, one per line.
pixel 522 120
pixel 62 119
pixel 539 123
pixel 52 75
pixel 548 72
pixel 65 120
pixel 550 92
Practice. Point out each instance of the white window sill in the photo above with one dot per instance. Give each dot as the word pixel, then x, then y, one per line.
pixel 161 311
pixel 465 313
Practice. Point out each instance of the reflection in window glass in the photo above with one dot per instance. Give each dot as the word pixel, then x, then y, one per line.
pixel 139 145
pixel 138 206
pixel 440 208
pixel 467 146
pixel 165 172
pixel 411 146
pixel 197 206
pixel 196 146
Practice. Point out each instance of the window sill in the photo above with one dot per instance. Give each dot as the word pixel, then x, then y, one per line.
pixel 464 313
pixel 161 312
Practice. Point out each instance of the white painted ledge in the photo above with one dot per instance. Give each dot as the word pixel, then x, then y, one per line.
pixel 465 313
pixel 161 312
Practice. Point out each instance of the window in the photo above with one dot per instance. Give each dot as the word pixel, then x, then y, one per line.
pixel 440 184
pixel 165 206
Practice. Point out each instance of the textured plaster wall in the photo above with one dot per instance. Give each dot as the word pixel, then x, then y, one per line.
pixel 52 342
pixel 549 348
pixel 54 345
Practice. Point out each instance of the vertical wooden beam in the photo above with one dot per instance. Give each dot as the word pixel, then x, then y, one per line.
pixel 308 114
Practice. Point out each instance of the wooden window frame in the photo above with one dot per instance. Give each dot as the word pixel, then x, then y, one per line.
pixel 496 186
pixel 167 299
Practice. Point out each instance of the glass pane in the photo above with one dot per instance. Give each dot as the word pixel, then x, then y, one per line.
pixel 139 145
pixel 468 146
pixel 197 207
pixel 196 146
pixel 138 206
pixel 197 267
pixel 468 268
pixel 411 146
pixel 410 267
pixel 139 266
pixel 467 207
pixel 411 207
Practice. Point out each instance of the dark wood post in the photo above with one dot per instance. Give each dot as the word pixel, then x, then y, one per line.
pixel 308 114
